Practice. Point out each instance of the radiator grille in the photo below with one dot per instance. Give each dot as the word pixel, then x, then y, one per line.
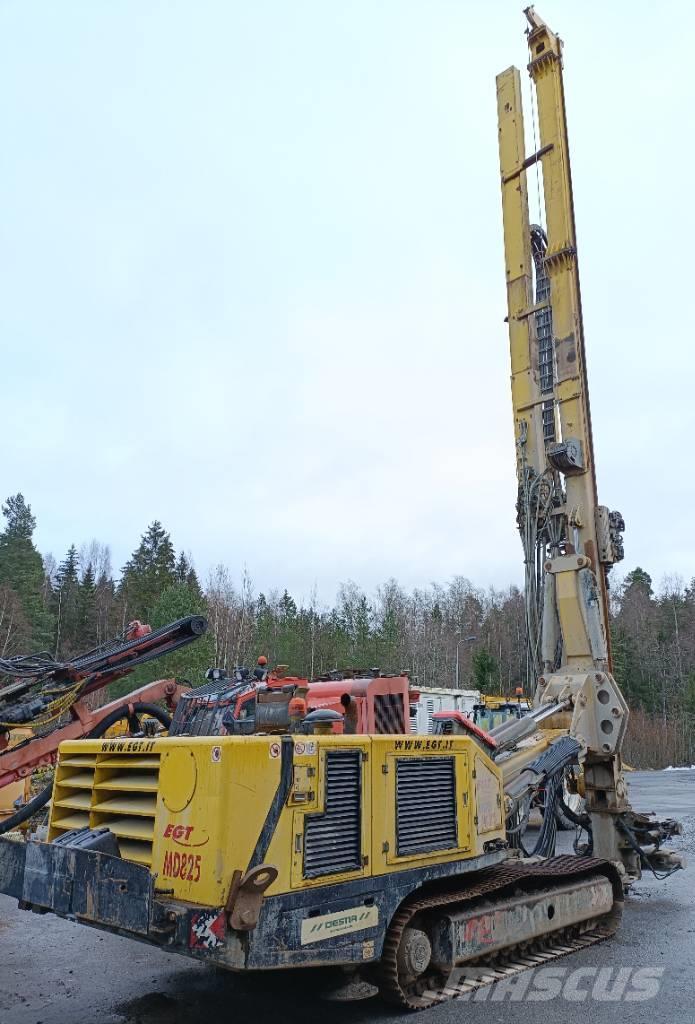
pixel 425 804
pixel 389 713
pixel 118 791
pixel 333 839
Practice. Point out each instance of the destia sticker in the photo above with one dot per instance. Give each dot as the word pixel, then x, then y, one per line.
pixel 327 926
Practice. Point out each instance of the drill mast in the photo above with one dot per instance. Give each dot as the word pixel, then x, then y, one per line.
pixel 569 540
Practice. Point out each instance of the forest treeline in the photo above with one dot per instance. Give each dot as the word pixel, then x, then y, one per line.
pixel 68 606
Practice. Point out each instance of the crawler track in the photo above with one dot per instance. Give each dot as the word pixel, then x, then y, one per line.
pixel 432 987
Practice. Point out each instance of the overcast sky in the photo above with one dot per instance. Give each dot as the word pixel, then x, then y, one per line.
pixel 253 284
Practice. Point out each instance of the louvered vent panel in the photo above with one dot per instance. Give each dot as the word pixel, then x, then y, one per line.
pixel 125 800
pixel 425 804
pixel 332 840
pixel 389 714
pixel 114 789
pixel 72 794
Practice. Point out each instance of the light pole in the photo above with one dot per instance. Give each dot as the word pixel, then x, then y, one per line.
pixel 463 640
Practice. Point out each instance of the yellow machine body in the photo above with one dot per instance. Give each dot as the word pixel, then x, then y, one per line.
pixel 192 809
pixel 265 852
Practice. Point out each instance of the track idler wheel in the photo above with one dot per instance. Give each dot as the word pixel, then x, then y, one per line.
pixel 414 955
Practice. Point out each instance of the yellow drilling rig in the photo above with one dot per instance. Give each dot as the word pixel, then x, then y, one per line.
pixel 394 857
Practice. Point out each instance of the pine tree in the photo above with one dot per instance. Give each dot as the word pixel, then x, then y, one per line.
pixel 183 567
pixel 265 635
pixel 185 573
pixel 67 642
pixel 391 626
pixel 356 616
pixel 149 571
pixel 193 583
pixel 107 620
pixel 20 521
pixel 87 612
pixel 365 649
pixel 485 671
pixel 640 580
pixel 288 650
pixel 21 570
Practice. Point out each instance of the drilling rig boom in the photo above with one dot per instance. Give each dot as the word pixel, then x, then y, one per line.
pixel 569 540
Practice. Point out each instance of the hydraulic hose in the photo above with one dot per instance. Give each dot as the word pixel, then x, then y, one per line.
pixel 582 820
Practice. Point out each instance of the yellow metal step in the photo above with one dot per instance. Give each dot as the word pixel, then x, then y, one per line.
pixel 82 761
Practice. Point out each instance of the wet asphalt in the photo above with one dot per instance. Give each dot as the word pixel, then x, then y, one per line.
pixel 57 972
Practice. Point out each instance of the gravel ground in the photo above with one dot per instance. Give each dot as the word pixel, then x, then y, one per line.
pixel 56 972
